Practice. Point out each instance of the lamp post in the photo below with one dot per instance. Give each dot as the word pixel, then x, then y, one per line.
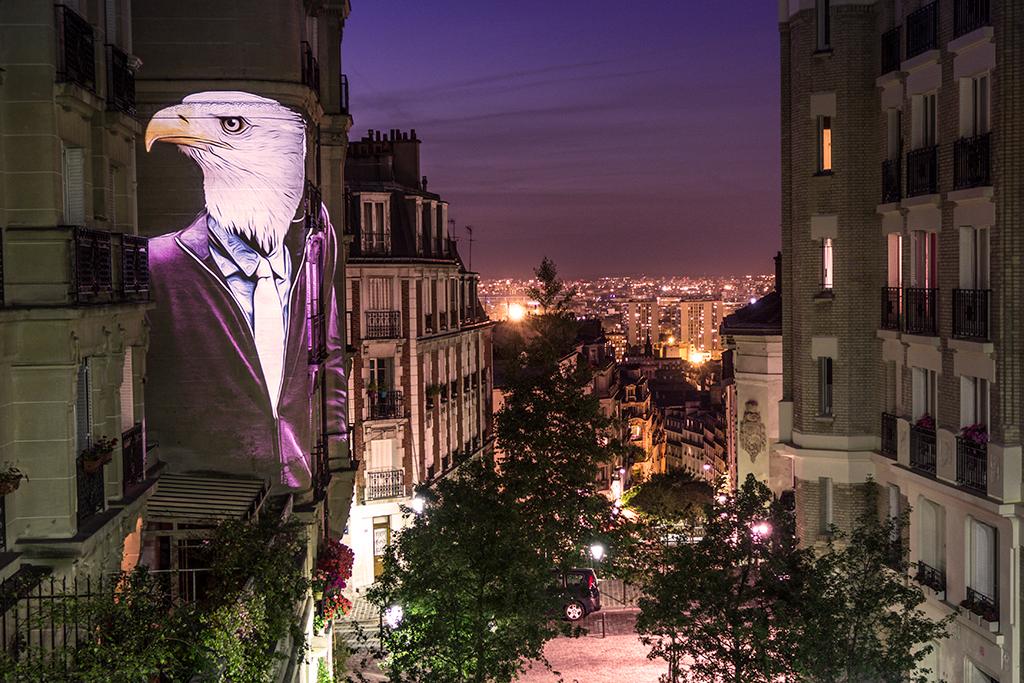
pixel 596 553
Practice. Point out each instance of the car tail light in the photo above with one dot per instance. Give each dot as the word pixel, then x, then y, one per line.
pixel 591 581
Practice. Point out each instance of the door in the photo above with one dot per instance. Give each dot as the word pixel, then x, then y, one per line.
pixel 381 540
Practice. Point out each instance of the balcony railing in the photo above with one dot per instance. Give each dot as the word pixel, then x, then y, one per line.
pixel 321 470
pixel 926 575
pixel 972 465
pixel 923 30
pixel 91 497
pixel 971 313
pixel 375 243
pixel 343 94
pixel 923 171
pixel 386 404
pixel 982 605
pixel 428 323
pixel 922 449
pixel 313 208
pixel 133 456
pixel 383 325
pixel 889 435
pixel 384 484
pixel 892 297
pixel 969 15
pixel 892 173
pixel 971 167
pixel 120 82
pixel 134 267
pixel 921 310
pixel 310 69
pixel 891 50
pixel 76 53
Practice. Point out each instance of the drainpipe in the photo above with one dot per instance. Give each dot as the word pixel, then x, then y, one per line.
pixel 1013 513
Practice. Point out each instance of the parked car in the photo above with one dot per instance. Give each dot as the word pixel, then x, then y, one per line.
pixel 578 593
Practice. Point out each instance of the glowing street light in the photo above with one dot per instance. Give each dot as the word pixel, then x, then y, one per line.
pixel 761 529
pixel 516 312
pixel 706 466
pixel 596 552
pixel 417 504
pixel 393 616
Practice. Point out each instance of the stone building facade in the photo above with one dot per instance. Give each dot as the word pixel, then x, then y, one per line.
pixel 901 279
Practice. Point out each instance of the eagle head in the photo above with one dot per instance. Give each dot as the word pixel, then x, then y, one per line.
pixel 252 152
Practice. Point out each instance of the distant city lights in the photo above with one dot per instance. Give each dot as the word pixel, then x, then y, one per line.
pixel 753 300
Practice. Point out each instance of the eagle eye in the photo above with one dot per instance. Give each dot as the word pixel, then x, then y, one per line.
pixel 233 125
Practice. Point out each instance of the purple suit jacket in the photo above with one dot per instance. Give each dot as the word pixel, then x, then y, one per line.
pixel 206 400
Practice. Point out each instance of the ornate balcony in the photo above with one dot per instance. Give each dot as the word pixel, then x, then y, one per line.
pixel 891 50
pixel 310 69
pixel 383 484
pixel 972 465
pixel 892 190
pixel 383 325
pixel 923 30
pixel 91 497
pixel 133 457
pixel 926 575
pixel 971 313
pixel 385 404
pixel 921 310
pixel 922 449
pixel 120 82
pixel 76 50
pixel 889 435
pixel 923 171
pixel 971 167
pixel 983 605
pixel 969 15
pixel 892 298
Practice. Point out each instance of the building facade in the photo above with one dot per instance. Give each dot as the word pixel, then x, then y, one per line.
pixel 698 329
pixel 643 323
pixel 901 362
pixel 421 383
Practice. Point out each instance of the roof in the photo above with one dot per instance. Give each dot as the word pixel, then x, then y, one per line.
pixel 198 499
pixel 763 317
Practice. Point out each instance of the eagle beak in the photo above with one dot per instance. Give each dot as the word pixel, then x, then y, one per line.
pixel 173 125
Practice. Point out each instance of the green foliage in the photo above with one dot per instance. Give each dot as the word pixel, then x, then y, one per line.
pixel 864 623
pixel 673 497
pixel 550 292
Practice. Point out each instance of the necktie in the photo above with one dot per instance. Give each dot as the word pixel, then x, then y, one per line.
pixel 268 329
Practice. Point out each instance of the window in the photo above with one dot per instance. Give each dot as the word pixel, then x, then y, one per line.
pixel 974 258
pixel 383 455
pixel 376 230
pixel 974 400
pixel 923 387
pixel 378 294
pixel 924 265
pixel 826 264
pixel 825 511
pixel 893 512
pixel 824 24
pixel 979 105
pixel 83 408
pixel 73 167
pixel 976 675
pixel 381 374
pixel 894 277
pixel 824 144
pixel 932 529
pixel 825 386
pixel 925 122
pixel 893 139
pixel 982 550
pixel 127 392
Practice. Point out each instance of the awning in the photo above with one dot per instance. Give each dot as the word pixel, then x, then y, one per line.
pixel 196 499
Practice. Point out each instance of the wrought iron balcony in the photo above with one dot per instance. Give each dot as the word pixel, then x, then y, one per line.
pixel 971 167
pixel 922 449
pixel 91 497
pixel 892 190
pixel 313 208
pixel 375 243
pixel 120 82
pixel 923 171
pixel 889 435
pixel 321 470
pixel 971 313
pixel 969 15
pixel 76 52
pixel 383 325
pixel 972 465
pixel 927 575
pixel 386 404
pixel 383 484
pixel 133 456
pixel 891 50
pixel 310 69
pixel 921 310
pixel 343 94
pixel 892 298
pixel 923 30
pixel 982 605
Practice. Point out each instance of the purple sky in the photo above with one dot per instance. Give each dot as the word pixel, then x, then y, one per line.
pixel 618 138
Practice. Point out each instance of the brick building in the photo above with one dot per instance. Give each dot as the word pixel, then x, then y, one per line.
pixel 901 283
pixel 420 387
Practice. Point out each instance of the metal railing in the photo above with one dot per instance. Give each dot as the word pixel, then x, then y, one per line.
pixel 927 575
pixel 921 310
pixel 91 496
pixel 922 449
pixel 313 208
pixel 76 52
pixel 384 484
pixel 134 267
pixel 120 82
pixel 385 404
pixel 889 442
pixel 383 325
pixel 923 30
pixel 93 265
pixel 376 243
pixel 971 166
pixel 892 298
pixel 982 605
pixel 310 69
pixel 892 178
pixel 969 15
pixel 343 93
pixel 133 456
pixel 891 50
pixel 428 322
pixel 321 469
pixel 971 313
pixel 972 465
pixel 923 171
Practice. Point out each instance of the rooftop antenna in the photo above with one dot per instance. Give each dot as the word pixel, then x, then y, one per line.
pixel 469 229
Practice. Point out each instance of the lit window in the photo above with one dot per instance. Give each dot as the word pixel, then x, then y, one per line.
pixel 826 264
pixel 824 24
pixel 825 381
pixel 824 144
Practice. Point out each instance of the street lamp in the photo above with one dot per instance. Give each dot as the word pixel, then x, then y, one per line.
pixel 417 504
pixel 393 616
pixel 761 529
pixel 596 552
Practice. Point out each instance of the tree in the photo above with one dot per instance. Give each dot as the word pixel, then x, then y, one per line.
pixel 674 497
pixel 727 607
pixel 550 292
pixel 865 624
pixel 471 585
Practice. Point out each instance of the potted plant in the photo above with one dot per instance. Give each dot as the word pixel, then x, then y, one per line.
pixel 97 454
pixel 975 433
pixel 926 421
pixel 10 479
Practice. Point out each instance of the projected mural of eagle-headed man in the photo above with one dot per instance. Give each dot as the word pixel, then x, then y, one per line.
pixel 230 386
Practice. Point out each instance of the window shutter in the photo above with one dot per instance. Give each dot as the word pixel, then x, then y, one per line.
pixel 83 408
pixel 74 185
pixel 127 392
pixel 111 16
